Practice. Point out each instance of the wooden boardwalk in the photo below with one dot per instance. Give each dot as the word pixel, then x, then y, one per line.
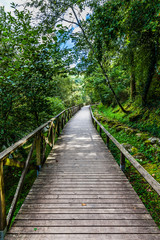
pixel 81 193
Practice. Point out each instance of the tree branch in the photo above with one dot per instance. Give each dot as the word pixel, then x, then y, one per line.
pixel 101 66
pixel 63 19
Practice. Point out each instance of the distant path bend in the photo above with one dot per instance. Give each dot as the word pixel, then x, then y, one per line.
pixel 81 194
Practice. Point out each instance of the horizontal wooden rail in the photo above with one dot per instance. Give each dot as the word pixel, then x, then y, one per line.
pixel 125 154
pixel 39 142
pixel 21 142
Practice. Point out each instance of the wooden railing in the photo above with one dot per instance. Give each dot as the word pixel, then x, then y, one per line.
pixel 52 128
pixel 125 154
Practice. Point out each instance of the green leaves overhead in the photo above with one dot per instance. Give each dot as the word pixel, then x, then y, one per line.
pixel 29 59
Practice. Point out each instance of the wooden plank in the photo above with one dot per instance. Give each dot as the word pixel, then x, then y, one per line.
pixel 82 192
pixel 79 206
pixel 92 196
pixel 91 216
pixel 38 149
pixel 83 223
pixel 86 229
pixel 79 236
pixel 86 211
pixel 82 200
pixel 80 195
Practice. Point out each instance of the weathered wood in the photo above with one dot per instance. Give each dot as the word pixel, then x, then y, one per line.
pixel 38 149
pixel 52 133
pixel 84 223
pixel 18 164
pixel 122 162
pixel 68 115
pixel 79 205
pixel 21 142
pixel 2 204
pixel 19 187
pixel 152 182
pixel 58 127
pixel 62 122
pixel 81 196
pixel 86 229
pixel 81 193
pixel 100 132
pixel 83 216
pixel 47 141
pixel 91 211
pixel 82 236
pixel 107 141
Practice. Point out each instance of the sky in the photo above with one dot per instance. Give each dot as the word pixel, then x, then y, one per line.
pixel 69 44
pixel 6 4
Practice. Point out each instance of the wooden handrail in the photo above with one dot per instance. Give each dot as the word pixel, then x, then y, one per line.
pixel 21 142
pixel 125 154
pixel 40 142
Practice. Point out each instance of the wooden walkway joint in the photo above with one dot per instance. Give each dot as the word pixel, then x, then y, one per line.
pixel 81 193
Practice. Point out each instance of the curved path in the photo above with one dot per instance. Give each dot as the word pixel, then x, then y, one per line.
pixel 81 193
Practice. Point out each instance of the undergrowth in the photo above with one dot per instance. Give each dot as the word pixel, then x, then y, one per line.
pixel 148 196
pixel 144 119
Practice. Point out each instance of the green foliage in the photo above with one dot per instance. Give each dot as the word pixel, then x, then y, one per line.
pixel 151 163
pixel 34 70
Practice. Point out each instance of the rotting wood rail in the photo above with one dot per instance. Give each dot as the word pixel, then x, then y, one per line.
pixel 125 154
pixel 40 141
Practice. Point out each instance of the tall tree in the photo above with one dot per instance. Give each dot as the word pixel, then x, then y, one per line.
pixel 54 11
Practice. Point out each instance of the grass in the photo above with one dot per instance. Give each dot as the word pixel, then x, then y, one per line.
pixel 151 163
pixel 148 119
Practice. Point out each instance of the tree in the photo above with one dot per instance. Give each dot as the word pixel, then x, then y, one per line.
pixel 53 11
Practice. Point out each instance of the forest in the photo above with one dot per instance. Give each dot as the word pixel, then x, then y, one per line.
pixel 58 54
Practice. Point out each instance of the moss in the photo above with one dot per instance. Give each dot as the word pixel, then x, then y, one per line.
pixel 147 142
pixel 134 150
pixel 134 118
pixel 145 155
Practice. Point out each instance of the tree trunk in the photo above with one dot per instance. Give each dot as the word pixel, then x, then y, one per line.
pixel 133 78
pixel 100 64
pixel 151 71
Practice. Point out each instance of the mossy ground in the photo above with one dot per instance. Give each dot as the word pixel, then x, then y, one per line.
pixel 151 162
pixel 144 119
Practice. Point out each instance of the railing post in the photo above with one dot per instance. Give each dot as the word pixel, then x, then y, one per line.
pixel 122 162
pixel 107 142
pixel 65 118
pixel 100 131
pixel 52 138
pixel 68 115
pixel 96 125
pixel 58 127
pixel 38 152
pixel 62 122
pixel 3 222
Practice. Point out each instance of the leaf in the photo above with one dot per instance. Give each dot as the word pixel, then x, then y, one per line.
pixel 83 204
pixel 44 38
pixel 49 30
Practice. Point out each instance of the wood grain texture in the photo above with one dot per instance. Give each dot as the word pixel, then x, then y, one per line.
pixel 81 193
